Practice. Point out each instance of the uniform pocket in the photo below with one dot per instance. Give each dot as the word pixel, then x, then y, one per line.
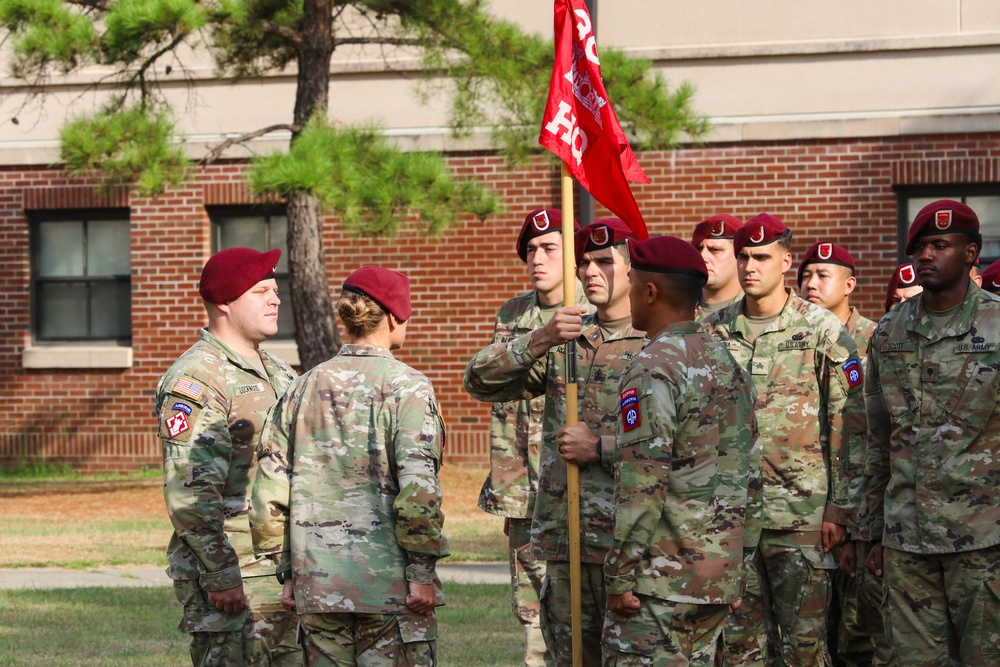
pixel 417 628
pixel 976 399
pixel 989 631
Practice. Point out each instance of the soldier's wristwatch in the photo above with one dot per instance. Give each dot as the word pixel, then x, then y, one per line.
pixel 283 575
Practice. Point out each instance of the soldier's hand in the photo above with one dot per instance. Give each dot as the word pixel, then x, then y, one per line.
pixel 849 559
pixel 577 444
pixel 833 535
pixel 874 562
pixel 421 598
pixel 566 324
pixel 288 595
pixel 230 600
pixel 625 604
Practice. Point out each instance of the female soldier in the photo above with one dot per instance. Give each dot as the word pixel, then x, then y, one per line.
pixel 347 497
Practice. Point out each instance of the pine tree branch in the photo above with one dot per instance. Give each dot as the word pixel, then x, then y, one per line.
pixel 216 152
pixel 282 32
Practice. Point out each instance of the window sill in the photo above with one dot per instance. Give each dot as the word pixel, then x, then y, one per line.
pixel 286 350
pixel 77 356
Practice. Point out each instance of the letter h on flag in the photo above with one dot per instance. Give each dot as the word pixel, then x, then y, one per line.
pixel 579 124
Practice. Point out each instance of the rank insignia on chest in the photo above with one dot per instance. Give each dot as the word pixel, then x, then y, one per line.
pixel 629 408
pixel 177 424
pixel 189 388
pixel 852 371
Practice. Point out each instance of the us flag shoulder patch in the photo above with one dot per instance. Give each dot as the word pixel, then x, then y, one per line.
pixel 629 408
pixel 188 387
pixel 852 371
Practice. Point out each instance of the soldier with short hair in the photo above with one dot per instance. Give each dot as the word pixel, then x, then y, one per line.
pixel 516 426
pixel 687 473
pixel 931 476
pixel 810 412
pixel 212 403
pixel 347 499
pixel 534 364
pixel 713 238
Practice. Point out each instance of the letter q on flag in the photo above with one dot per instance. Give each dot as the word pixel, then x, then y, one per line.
pixel 581 127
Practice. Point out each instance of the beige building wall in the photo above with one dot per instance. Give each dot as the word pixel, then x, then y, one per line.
pixel 768 69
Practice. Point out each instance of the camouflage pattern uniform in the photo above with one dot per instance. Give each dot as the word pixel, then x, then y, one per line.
pixel 701 311
pixel 810 411
pixel 211 406
pixel 687 477
pixel 507 371
pixel 931 479
pixel 854 631
pixel 348 500
pixel 510 488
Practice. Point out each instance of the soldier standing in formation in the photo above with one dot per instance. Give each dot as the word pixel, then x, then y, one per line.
pixel 713 238
pixel 516 426
pixel 212 403
pixel 535 365
pixel 810 412
pixel 687 466
pixel 931 473
pixel 903 285
pixel 348 500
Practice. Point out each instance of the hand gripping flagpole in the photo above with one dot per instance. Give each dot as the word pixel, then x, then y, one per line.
pixel 572 418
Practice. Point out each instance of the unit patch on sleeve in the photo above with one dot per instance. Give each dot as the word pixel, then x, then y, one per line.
pixel 629 409
pixel 188 387
pixel 177 424
pixel 852 370
pixel 183 407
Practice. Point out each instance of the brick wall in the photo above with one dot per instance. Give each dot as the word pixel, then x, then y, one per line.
pixel 102 420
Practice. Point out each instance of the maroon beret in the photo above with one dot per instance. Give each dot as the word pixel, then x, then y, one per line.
pixel 991 278
pixel 760 230
pixel 391 289
pixel 538 223
pixel 716 227
pixel 231 272
pixel 903 276
pixel 668 254
pixel 943 216
pixel 602 233
pixel 825 252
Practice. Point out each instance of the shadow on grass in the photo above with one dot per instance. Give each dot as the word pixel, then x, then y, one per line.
pixel 136 627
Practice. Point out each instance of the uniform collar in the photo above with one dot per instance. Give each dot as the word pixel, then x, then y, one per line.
pixel 960 324
pixel 351 350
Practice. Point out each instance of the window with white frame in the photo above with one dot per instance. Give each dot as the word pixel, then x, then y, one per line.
pixel 261 228
pixel 983 199
pixel 81 285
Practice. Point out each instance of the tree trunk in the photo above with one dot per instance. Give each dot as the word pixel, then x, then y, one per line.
pixel 315 326
pixel 312 308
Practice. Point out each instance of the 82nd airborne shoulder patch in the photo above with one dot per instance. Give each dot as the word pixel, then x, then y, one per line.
pixel 852 371
pixel 629 409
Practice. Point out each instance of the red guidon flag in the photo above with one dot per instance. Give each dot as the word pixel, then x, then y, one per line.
pixel 579 124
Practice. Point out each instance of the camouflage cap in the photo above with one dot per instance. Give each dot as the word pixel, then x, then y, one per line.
pixel 943 216
pixel 231 272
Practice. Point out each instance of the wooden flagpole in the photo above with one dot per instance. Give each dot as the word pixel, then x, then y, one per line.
pixel 572 418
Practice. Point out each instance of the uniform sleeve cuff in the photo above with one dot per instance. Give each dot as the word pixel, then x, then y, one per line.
pixel 221 580
pixel 622 583
pixel 838 515
pixel 420 571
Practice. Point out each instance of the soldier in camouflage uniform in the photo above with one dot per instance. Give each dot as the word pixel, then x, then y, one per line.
pixel 534 365
pixel 687 469
pixel 212 403
pixel 516 426
pixel 931 474
pixel 713 238
pixel 903 285
pixel 810 411
pixel 348 501
pixel 826 278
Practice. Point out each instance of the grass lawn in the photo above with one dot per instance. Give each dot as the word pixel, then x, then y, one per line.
pixel 84 522
pixel 136 627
